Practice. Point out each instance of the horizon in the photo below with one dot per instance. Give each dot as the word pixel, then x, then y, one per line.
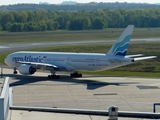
pixel 77 1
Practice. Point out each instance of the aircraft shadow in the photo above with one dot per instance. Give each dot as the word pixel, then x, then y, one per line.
pixel 91 84
pixel 23 80
pixel 94 84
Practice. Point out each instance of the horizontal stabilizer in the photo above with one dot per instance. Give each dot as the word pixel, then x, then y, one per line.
pixel 137 55
pixel 144 58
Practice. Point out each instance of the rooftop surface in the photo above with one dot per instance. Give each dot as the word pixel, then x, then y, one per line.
pixel 88 92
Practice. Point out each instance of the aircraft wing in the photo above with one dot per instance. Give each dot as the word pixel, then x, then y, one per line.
pixel 143 58
pixel 46 65
pixel 137 55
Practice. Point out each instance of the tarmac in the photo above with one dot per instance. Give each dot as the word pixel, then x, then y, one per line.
pixel 89 92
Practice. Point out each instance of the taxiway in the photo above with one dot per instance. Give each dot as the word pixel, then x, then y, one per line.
pixel 12 47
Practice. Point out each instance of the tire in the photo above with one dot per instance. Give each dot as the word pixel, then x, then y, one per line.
pixel 57 77
pixel 80 75
pixel 49 76
pixel 71 75
pixel 15 72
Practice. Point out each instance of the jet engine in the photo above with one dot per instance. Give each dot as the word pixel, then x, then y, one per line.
pixel 26 69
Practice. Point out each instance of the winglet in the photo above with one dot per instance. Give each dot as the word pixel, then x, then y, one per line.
pixel 120 47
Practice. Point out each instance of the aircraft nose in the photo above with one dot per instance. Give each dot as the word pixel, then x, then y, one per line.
pixel 7 60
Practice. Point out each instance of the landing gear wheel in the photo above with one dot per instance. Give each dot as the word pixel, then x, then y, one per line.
pixel 80 75
pixel 53 77
pixel 75 74
pixel 71 75
pixel 49 76
pixel 15 71
pixel 57 77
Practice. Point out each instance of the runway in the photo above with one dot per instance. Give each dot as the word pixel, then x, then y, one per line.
pixel 89 92
pixel 24 46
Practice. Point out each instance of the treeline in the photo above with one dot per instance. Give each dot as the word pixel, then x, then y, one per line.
pixel 42 20
pixel 75 7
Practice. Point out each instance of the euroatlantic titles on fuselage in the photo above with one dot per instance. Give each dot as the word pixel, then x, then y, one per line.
pixel 28 59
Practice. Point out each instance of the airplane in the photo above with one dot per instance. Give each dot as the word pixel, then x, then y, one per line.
pixel 28 62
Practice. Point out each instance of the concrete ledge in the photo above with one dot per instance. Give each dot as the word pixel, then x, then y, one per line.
pixel 62 110
pixel 88 112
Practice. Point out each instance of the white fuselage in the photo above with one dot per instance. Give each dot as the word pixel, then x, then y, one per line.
pixel 69 61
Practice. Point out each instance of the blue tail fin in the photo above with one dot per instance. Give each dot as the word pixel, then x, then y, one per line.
pixel 120 47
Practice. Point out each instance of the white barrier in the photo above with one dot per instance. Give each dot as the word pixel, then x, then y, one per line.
pixel 4 100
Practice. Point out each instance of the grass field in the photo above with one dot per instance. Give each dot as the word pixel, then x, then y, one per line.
pixel 147 68
pixel 57 36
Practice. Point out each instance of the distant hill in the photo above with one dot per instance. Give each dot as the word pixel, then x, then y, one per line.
pixel 72 6
pixel 68 3
pixel 44 3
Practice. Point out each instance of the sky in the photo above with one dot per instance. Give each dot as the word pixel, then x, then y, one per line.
pixel 7 2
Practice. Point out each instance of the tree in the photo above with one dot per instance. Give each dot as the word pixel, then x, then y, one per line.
pixel 86 23
pixel 81 23
pixel 56 25
pixel 42 26
pixel 17 27
pixel 115 19
pixel 0 28
pixel 8 27
pixel 63 18
pixel 41 15
pixel 21 17
pixel 52 25
pixel 30 16
pixel 97 23
pixel 81 20
pixel 31 26
pixel 7 18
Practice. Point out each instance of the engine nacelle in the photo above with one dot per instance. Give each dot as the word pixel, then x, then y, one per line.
pixel 26 69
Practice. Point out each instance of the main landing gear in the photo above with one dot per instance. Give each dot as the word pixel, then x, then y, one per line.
pixel 53 76
pixel 75 75
pixel 15 71
pixel 72 75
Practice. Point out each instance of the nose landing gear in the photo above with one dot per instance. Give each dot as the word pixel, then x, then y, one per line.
pixel 15 71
